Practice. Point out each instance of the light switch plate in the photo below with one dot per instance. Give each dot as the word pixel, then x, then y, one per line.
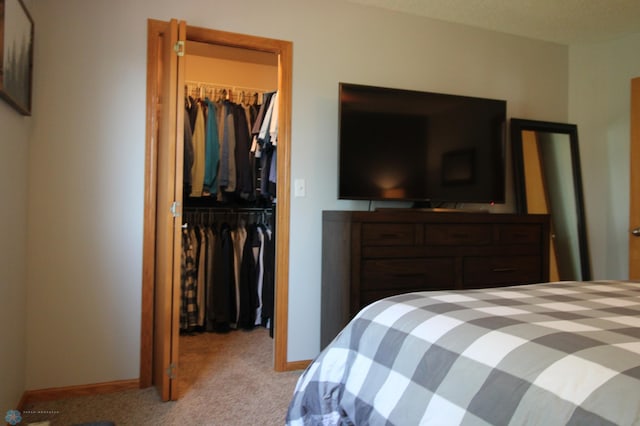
pixel 299 188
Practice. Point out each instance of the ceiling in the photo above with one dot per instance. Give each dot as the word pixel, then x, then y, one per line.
pixel 559 21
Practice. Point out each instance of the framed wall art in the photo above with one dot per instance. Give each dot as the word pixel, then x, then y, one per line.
pixel 16 55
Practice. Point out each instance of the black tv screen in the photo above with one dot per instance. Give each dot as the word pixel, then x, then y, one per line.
pixel 408 145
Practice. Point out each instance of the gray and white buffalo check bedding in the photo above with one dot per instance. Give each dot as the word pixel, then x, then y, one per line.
pixel 564 353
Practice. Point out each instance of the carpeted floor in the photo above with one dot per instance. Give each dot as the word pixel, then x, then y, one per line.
pixel 224 379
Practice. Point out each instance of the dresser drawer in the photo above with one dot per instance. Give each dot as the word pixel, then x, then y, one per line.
pixel 519 234
pixel 369 255
pixel 368 297
pixel 430 273
pixel 388 234
pixel 457 234
pixel 501 270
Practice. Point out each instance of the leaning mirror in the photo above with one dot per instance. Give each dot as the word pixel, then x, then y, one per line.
pixel 547 179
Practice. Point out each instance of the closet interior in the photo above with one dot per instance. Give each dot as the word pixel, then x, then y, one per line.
pixel 229 197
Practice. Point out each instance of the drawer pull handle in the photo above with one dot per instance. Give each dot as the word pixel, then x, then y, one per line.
pixel 504 270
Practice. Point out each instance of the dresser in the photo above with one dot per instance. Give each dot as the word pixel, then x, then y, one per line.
pixel 367 256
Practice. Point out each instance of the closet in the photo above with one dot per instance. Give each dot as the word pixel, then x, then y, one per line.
pixel 229 189
pixel 168 207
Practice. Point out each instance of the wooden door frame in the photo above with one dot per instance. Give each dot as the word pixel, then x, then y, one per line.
pixel 284 50
pixel 634 180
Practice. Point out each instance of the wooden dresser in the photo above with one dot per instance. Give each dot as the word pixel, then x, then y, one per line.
pixel 370 255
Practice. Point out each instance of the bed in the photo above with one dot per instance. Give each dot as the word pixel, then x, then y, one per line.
pixel 565 353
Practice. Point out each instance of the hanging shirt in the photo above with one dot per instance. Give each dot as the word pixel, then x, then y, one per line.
pixel 188 282
pixel 197 170
pixel 188 154
pixel 273 125
pixel 201 283
pixel 247 282
pixel 244 183
pixel 256 148
pixel 227 141
pixel 212 151
pixel 211 282
pixel 264 135
pixel 259 273
pixel 268 281
pixel 238 237
pixel 232 177
pixel 192 111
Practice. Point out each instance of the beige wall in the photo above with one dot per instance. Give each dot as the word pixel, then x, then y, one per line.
pixel 14 149
pixel 87 154
pixel 15 131
pixel 599 103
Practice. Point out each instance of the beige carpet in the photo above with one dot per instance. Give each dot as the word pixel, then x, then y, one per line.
pixel 224 379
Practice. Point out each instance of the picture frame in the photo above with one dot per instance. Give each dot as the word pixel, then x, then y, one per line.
pixel 16 55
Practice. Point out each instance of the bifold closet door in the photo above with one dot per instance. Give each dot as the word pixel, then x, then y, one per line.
pixel 634 177
pixel 170 115
pixel 163 189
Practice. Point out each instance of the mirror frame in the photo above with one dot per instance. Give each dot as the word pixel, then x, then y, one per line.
pixel 517 126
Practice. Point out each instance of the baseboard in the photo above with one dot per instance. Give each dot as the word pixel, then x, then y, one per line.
pixel 51 394
pixel 297 365
pixel 22 403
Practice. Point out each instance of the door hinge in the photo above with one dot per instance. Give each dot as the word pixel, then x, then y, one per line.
pixel 171 371
pixel 175 209
pixel 179 48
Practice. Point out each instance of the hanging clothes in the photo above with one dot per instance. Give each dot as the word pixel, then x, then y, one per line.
pixel 247 283
pixel 228 141
pixel 198 167
pixel 188 150
pixel 212 151
pixel 260 273
pixel 230 146
pixel 225 275
pixel 239 235
pixel 188 282
pixel 268 281
pixel 224 293
pixel 244 175
pixel 263 147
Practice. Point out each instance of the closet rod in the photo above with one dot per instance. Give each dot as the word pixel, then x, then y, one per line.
pixel 198 209
pixel 202 84
pixel 204 214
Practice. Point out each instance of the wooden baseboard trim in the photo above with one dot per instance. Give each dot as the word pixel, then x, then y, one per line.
pixel 22 403
pixel 297 365
pixel 51 394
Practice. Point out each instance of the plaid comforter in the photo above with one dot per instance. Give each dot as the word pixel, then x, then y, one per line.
pixel 542 354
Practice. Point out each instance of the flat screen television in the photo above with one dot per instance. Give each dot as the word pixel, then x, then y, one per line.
pixel 425 147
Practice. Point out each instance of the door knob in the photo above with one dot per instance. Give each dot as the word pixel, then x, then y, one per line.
pixel 636 232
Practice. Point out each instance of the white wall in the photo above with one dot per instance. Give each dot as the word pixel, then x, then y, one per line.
pixel 599 103
pixel 85 199
pixel 371 46
pixel 87 159
pixel 14 150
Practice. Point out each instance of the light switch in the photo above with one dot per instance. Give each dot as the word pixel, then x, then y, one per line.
pixel 299 188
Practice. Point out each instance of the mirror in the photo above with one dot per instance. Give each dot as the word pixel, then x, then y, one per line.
pixel 547 179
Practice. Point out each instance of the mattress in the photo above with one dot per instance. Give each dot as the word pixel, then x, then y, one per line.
pixel 541 354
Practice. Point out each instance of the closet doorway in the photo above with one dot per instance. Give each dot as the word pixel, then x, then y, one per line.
pixel 168 43
pixel 634 173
